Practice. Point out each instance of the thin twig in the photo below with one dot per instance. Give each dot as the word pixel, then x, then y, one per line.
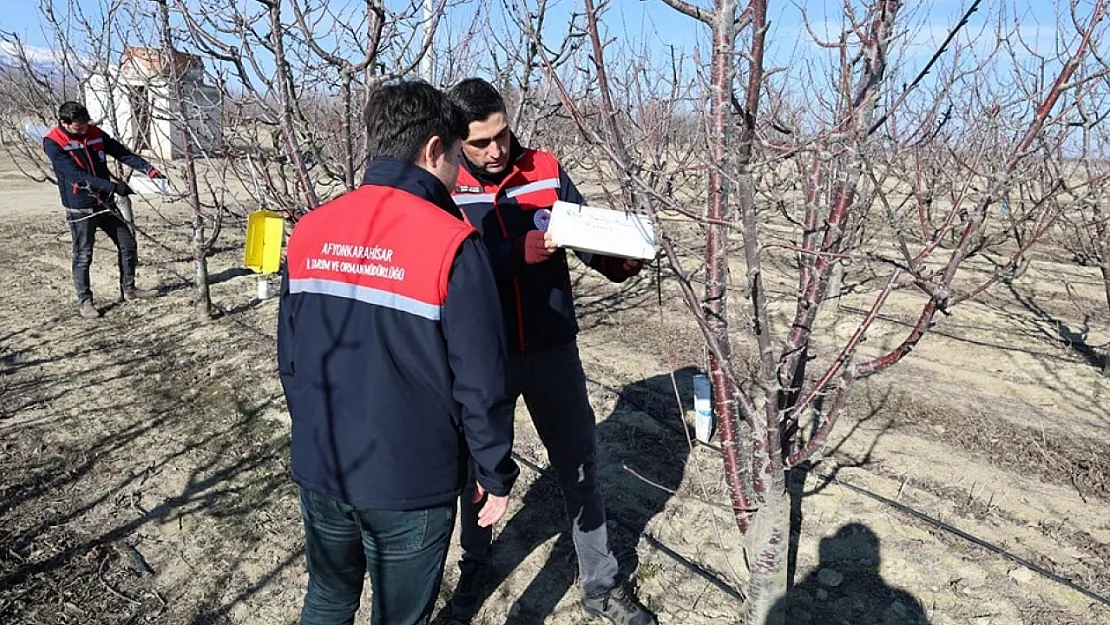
pixel 103 580
pixel 678 494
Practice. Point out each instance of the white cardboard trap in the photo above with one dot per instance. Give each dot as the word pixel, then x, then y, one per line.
pixel 602 231
pixel 144 185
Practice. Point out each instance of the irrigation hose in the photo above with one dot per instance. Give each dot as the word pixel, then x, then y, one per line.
pixel 968 537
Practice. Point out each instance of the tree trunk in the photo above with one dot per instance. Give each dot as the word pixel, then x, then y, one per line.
pixel 200 259
pixel 767 546
pixel 738 465
pixel 836 281
pixel 1104 266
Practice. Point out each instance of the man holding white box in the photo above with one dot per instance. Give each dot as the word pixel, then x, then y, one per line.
pixel 506 191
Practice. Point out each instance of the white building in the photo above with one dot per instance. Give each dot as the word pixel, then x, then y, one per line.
pixel 133 102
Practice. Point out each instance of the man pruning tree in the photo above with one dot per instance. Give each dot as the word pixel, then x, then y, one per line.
pixel 506 192
pixel 79 152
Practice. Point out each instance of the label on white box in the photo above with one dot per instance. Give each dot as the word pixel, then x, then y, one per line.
pixel 602 231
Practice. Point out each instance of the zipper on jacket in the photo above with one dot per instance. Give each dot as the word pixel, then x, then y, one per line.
pixel 92 172
pixel 92 166
pixel 516 280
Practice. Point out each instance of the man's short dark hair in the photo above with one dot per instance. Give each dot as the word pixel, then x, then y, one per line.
pixel 401 117
pixel 70 112
pixel 477 98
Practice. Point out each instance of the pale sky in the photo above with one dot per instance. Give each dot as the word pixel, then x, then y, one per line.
pixel 651 27
pixel 654 21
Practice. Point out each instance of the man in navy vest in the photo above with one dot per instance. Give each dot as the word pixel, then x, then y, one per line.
pixel 506 191
pixel 393 370
pixel 79 152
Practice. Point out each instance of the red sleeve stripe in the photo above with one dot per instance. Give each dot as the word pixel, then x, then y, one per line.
pixel 473 198
pixel 549 183
pixel 367 295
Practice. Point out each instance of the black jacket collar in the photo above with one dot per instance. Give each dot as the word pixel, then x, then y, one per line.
pixel 389 172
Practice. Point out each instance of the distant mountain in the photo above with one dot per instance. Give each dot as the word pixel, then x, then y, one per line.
pixel 42 60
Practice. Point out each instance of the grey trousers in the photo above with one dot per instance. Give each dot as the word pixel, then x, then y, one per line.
pixel 554 389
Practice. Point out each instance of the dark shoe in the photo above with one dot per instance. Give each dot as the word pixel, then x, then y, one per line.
pixel 87 310
pixel 619 606
pixel 133 294
pixel 465 602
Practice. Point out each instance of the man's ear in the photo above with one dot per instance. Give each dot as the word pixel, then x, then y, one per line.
pixel 432 152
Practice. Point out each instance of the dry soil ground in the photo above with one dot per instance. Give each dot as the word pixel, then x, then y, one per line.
pixel 143 456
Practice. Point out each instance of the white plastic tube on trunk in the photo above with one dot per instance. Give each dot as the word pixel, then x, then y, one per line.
pixel 703 408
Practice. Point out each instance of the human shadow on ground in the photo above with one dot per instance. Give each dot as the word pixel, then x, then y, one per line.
pixel 877 405
pixel 847 587
pixel 625 438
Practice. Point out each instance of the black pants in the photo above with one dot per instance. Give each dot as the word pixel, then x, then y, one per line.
pixel 83 228
pixel 554 389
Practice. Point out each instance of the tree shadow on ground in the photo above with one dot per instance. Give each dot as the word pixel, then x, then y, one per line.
pixel 75 504
pixel 135 484
pixel 1057 331
pixel 595 307
pixel 229 485
pixel 229 274
pixel 847 587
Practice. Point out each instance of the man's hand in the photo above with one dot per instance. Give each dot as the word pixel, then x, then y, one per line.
pixel 632 266
pixel 537 247
pixel 156 175
pixel 549 243
pixel 494 508
pixel 122 188
pixel 619 269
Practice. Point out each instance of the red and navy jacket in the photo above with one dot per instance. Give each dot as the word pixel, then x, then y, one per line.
pixel 536 300
pixel 393 369
pixel 81 165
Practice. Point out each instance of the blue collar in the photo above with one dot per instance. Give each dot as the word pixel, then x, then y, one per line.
pixel 390 172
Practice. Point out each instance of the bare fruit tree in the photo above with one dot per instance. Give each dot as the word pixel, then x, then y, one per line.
pixel 862 165
pixel 35 80
pixel 290 82
pixel 178 113
pixel 1086 225
pixel 297 75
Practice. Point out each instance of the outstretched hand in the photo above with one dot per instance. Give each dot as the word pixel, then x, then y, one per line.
pixel 494 508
